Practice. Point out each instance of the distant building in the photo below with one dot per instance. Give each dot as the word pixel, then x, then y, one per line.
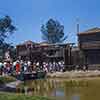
pixel 89 44
pixel 44 52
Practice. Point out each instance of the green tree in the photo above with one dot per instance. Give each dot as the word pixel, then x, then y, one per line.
pixel 53 32
pixel 6 28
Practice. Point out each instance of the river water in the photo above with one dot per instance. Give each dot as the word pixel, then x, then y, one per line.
pixel 62 89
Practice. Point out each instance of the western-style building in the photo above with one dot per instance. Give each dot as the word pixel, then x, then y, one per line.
pixel 86 53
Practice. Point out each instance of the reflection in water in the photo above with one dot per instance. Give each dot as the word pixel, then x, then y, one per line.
pixel 75 97
pixel 59 93
pixel 62 89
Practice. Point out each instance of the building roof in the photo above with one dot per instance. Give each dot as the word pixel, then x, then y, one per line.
pixel 29 42
pixel 43 44
pixel 90 31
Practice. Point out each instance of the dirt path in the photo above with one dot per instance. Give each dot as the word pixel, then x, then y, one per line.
pixel 74 74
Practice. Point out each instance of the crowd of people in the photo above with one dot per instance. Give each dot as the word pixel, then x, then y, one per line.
pixel 8 68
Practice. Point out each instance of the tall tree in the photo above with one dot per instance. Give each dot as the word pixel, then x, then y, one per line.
pixel 53 32
pixel 6 28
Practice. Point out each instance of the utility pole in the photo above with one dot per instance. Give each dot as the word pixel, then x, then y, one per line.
pixel 78 26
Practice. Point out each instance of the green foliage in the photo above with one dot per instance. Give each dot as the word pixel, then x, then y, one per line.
pixel 53 32
pixel 6 28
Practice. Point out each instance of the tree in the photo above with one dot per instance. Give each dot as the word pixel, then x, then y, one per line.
pixel 53 32
pixel 6 28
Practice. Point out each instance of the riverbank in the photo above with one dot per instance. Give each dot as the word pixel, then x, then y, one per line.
pixel 8 96
pixel 5 84
pixel 74 74
pixel 6 79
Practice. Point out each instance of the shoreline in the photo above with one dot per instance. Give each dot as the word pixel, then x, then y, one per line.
pixel 14 96
pixel 74 74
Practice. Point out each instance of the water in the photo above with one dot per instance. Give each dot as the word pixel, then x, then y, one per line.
pixel 62 89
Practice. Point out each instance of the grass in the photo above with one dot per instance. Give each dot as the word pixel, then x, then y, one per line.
pixel 6 79
pixel 13 96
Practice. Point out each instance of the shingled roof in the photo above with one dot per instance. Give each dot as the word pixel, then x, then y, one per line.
pixel 92 30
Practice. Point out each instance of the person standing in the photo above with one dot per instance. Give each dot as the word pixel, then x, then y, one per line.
pixel 1 68
pixel 17 68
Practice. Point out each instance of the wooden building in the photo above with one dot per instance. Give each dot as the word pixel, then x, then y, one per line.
pixel 44 52
pixel 89 45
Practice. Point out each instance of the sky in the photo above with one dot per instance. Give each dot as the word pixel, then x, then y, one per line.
pixel 29 15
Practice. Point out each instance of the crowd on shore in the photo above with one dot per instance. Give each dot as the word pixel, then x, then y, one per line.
pixel 7 67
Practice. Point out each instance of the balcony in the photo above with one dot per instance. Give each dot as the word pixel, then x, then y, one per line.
pixel 90 45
